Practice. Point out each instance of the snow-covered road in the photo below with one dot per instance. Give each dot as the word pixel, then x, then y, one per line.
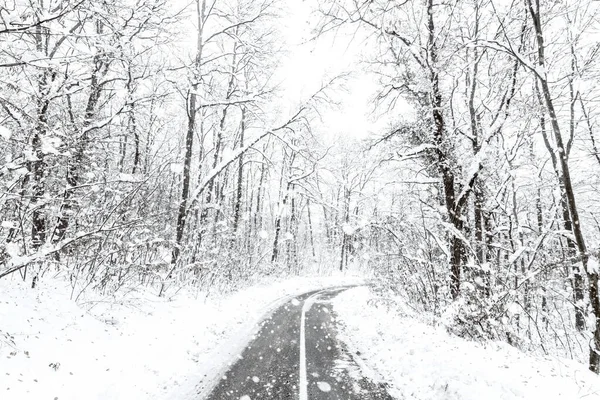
pixel 296 355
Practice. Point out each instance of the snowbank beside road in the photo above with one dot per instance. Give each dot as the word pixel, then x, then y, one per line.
pixel 136 346
pixel 419 361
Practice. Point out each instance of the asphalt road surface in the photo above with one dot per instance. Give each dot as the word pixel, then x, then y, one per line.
pixel 296 355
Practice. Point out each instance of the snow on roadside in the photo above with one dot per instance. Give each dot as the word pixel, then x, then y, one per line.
pixel 137 346
pixel 419 361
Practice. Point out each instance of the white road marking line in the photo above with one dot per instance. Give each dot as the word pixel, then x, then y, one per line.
pixel 303 380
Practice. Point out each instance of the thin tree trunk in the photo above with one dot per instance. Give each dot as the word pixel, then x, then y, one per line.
pixel 310 229
pixel 577 282
pixel 278 219
pixel 238 198
pixel 291 245
pixel 259 195
pixel 590 130
pixel 136 140
pixel 74 168
pixel 210 192
pixel 343 252
pixel 479 200
pixel 189 139
pixel 284 188
pixel 345 236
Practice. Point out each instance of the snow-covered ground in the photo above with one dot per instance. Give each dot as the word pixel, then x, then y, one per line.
pixel 134 346
pixel 419 361
pixel 139 346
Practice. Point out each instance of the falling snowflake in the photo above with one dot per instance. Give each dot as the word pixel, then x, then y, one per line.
pixel 177 168
pixel 5 133
pixel 348 230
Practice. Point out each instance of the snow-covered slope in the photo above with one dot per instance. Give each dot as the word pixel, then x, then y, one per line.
pixel 136 346
pixel 419 361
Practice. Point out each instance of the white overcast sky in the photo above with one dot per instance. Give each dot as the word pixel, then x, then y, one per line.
pixel 312 62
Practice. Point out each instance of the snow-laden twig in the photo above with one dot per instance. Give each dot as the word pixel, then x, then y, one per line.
pixel 415 151
pixel 41 22
pixel 15 263
pixel 501 47
pixel 213 173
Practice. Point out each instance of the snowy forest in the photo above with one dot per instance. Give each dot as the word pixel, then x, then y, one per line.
pixel 446 151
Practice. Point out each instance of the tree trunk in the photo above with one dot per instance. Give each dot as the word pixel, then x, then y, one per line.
pixel 189 140
pixel 594 360
pixel 278 223
pixel 453 209
pixel 577 281
pixel 211 194
pixel 259 195
pixel 37 168
pixel 74 167
pixel 240 177
pixel 293 229
pixel 345 222
pixel 310 229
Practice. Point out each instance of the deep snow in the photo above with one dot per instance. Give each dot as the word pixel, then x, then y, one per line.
pixel 134 346
pixel 139 346
pixel 419 361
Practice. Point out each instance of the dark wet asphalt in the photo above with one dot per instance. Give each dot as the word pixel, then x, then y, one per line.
pixel 269 367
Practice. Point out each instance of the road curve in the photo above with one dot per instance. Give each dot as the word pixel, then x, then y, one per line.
pixel 296 355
